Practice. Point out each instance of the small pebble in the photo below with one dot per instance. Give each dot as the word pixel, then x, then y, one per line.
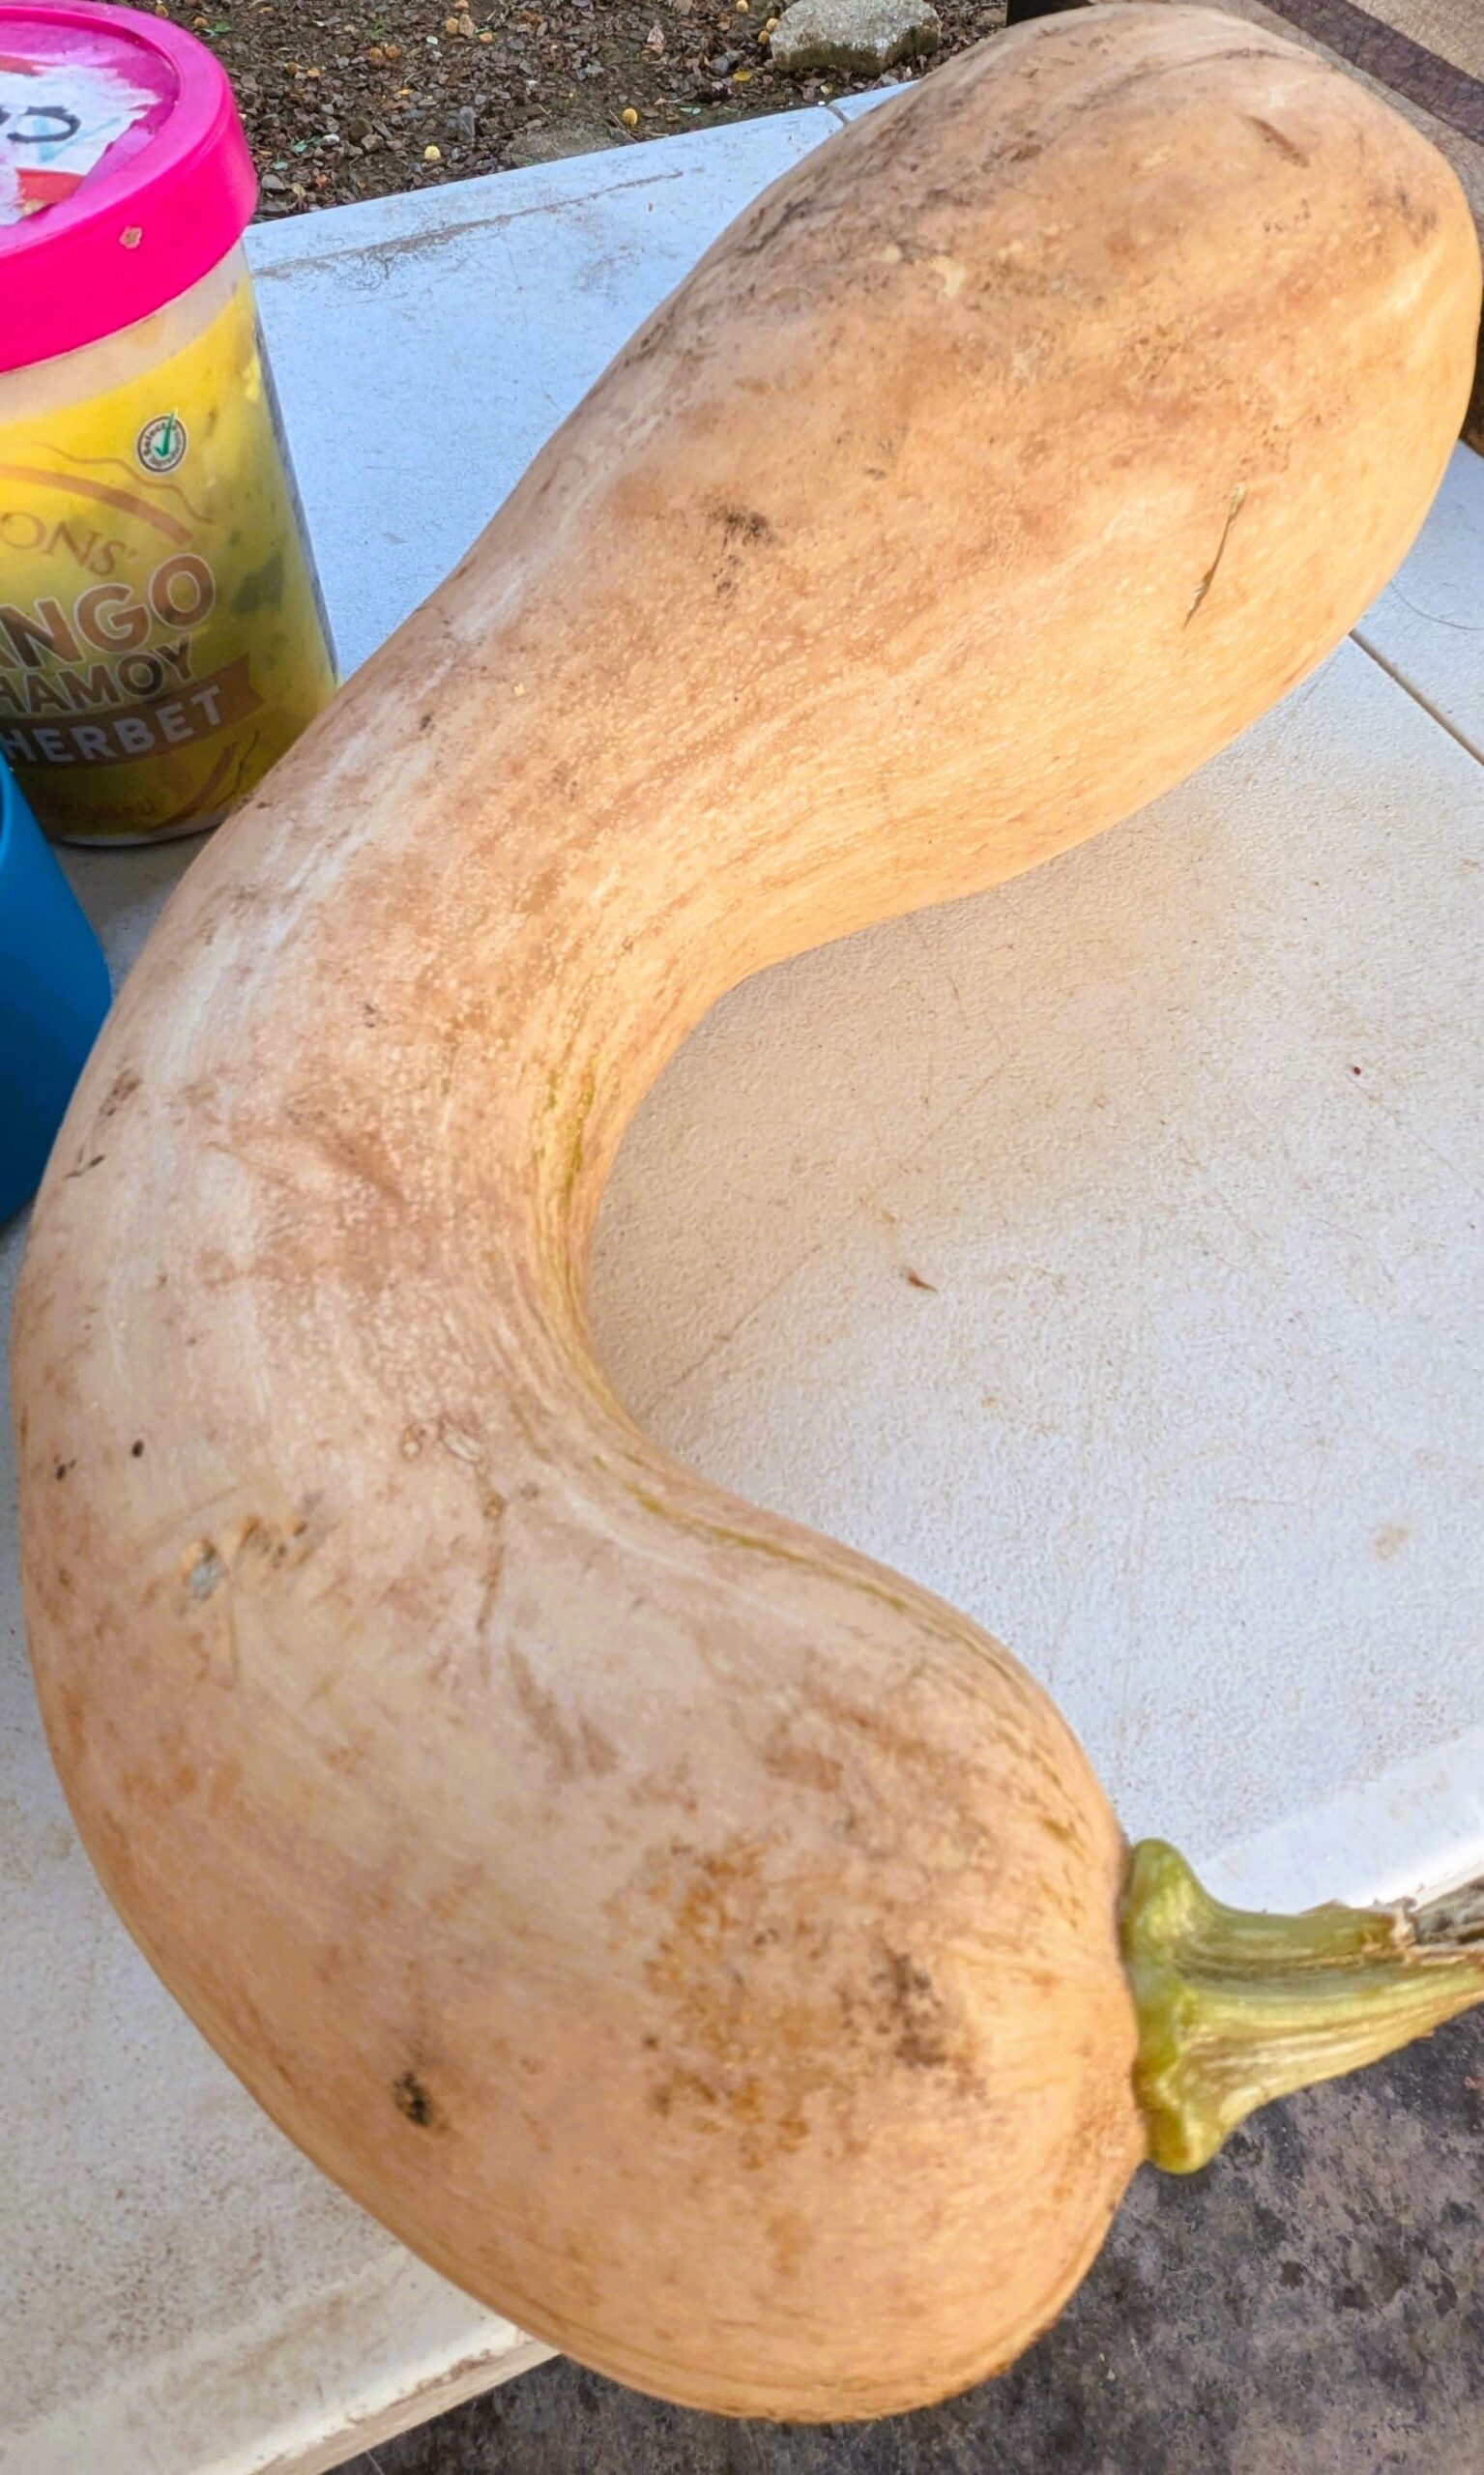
pixel 432 154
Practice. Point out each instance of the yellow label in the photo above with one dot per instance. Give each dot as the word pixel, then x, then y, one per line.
pixel 161 638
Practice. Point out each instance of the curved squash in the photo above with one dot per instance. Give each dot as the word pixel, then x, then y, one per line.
pixel 689 1937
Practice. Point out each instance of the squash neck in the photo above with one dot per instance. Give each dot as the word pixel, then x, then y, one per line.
pixel 1235 2007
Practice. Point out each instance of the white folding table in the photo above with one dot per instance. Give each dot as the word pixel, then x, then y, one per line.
pixel 1104 1251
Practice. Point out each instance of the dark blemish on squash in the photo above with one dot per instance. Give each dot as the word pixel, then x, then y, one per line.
pixel 1354 1069
pixel 412 2101
pixel 63 1466
pixel 1276 137
pixel 136 1448
pixel 371 1011
pixel 741 2101
pixel 741 528
pixel 767 232
pixel 744 524
pixel 424 721
pixel 915 2014
pixel 125 1085
pixel 1420 221
pixel 84 1166
pixel 914 1280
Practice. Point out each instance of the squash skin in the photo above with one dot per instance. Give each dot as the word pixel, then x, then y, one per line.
pixel 690 1937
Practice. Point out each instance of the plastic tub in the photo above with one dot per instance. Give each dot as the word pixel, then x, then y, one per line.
pixel 53 995
pixel 161 637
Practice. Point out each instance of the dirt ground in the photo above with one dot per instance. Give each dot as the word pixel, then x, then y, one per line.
pixel 351 101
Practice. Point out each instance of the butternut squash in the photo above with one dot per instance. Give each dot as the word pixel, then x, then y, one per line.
pixel 693 1938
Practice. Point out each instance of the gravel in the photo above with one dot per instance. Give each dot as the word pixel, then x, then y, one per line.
pixel 345 102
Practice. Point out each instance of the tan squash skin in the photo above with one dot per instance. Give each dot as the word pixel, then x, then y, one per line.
pixel 688 1936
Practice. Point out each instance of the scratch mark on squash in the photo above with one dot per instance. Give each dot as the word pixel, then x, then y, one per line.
pixel 1234 510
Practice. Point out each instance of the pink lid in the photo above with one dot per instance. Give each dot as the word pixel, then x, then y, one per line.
pixel 166 184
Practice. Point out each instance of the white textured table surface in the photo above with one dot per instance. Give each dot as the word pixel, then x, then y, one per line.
pixel 1105 1252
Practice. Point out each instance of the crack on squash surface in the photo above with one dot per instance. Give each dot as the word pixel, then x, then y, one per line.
pixel 774 1548
pixel 1234 510
pixel 1278 137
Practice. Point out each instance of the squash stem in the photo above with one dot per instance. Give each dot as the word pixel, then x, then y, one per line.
pixel 1236 2007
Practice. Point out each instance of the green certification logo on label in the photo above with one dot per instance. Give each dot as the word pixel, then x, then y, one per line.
pixel 161 443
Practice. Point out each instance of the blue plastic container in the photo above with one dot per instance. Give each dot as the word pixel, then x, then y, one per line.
pixel 53 995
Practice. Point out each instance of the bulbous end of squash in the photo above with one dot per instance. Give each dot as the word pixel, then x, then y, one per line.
pixel 1236 2007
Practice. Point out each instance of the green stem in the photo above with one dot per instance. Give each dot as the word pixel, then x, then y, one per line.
pixel 1235 2007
